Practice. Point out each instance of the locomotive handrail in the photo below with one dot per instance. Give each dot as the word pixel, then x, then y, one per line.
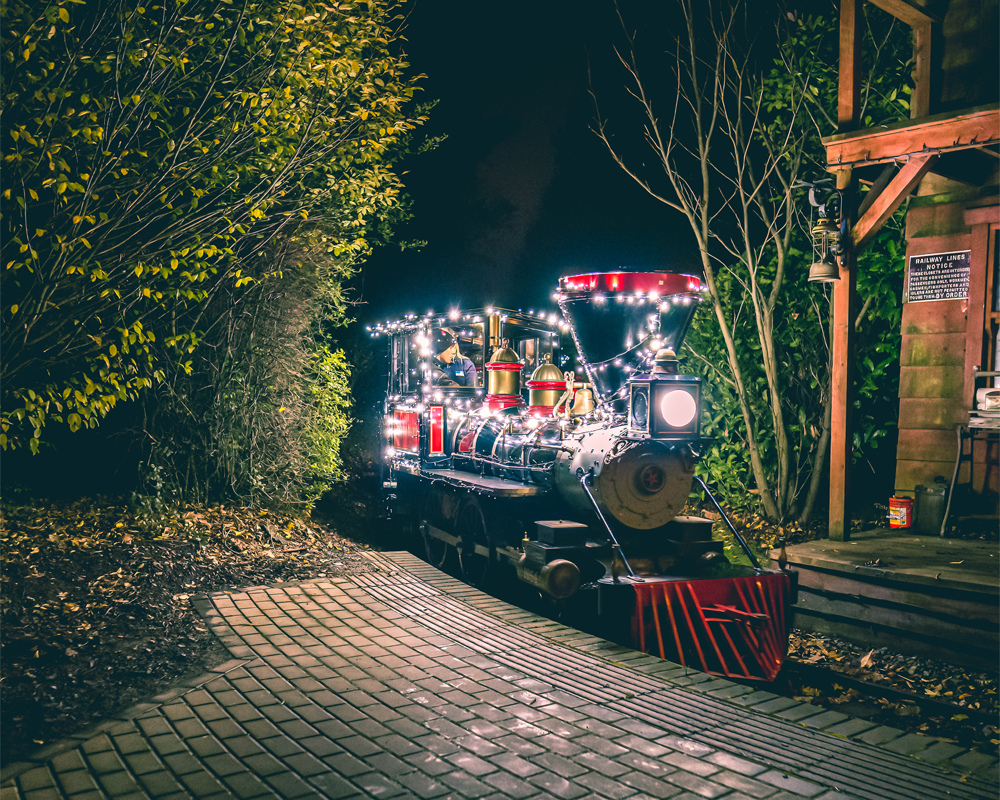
pixel 617 547
pixel 739 538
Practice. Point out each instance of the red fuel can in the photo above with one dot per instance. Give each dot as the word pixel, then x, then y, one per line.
pixel 900 512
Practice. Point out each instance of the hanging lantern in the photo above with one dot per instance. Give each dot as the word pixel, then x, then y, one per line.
pixel 826 247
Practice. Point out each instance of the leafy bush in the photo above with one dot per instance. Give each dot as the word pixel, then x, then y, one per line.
pixel 155 159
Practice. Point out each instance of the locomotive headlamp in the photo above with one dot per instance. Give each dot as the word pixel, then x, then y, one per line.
pixel 664 403
pixel 677 408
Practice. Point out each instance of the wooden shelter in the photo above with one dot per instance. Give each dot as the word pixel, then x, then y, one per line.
pixel 946 161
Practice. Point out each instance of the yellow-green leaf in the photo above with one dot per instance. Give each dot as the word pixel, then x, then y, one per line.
pixel 63 15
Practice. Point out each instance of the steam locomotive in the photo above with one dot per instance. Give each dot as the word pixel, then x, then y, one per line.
pixel 560 449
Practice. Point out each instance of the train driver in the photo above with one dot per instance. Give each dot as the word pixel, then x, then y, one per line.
pixel 450 367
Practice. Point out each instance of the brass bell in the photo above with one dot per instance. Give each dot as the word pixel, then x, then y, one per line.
pixel 583 402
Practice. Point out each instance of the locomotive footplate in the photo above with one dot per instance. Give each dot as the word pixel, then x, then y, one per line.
pixel 482 484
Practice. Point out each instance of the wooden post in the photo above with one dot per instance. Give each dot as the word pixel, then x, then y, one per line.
pixel 920 100
pixel 842 358
pixel 841 433
pixel 849 87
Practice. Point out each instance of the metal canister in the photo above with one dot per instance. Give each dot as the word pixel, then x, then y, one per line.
pixel 504 372
pixel 546 387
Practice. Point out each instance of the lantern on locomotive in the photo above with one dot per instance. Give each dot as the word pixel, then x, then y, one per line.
pixel 574 480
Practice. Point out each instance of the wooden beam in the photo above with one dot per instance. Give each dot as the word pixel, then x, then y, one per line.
pixel 920 99
pixel 849 86
pixel 940 134
pixel 906 11
pixel 841 358
pixel 888 200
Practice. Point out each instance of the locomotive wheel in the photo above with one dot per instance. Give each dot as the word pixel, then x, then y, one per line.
pixel 436 550
pixel 472 530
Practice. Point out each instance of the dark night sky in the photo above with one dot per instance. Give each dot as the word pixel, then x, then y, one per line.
pixel 521 191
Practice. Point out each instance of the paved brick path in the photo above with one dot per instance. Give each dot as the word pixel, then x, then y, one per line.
pixel 405 683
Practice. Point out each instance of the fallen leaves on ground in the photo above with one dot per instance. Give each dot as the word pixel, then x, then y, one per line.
pixel 966 690
pixel 95 601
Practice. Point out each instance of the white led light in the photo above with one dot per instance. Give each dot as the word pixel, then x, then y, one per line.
pixel 678 408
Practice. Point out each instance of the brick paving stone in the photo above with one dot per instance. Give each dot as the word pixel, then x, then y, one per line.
pixel 649 785
pixel 600 745
pixel 515 764
pixel 731 692
pixel 223 764
pixel 105 761
pixel 941 751
pixel 525 713
pixel 852 727
pixel 824 720
pixel 370 728
pixel 65 762
pixel 142 763
pixel 741 783
pixel 394 743
pixel 377 785
pixel 437 744
pixel 605 787
pixel 560 765
pixel 465 784
pixel 910 744
pixel 422 785
pixel 522 728
pixel 264 764
pixel 598 763
pixel 245 785
pixel 558 725
pixel 346 764
pixel 117 784
pixel 714 686
pixel 972 761
pixel 158 784
pixel 558 745
pixel 429 763
pixel 200 784
pixel 880 735
pixel 643 746
pixel 478 745
pixel 471 763
pixel 77 781
pixel 560 787
pixel 775 705
pixel 689 746
pixel 790 783
pixel 686 762
pixel 182 763
pixel 454 713
pixel 484 729
pixel 800 712
pixel 754 698
pixel 38 778
pixel 696 785
pixel 510 786
pixel 735 763
pixel 651 766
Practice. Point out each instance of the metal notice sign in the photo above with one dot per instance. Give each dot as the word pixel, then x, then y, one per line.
pixel 938 276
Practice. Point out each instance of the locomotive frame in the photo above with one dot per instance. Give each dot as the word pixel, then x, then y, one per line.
pixel 577 485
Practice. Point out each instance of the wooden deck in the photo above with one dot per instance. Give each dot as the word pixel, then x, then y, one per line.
pixel 915 594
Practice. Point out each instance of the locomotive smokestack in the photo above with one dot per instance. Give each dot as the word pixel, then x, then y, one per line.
pixel 619 319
